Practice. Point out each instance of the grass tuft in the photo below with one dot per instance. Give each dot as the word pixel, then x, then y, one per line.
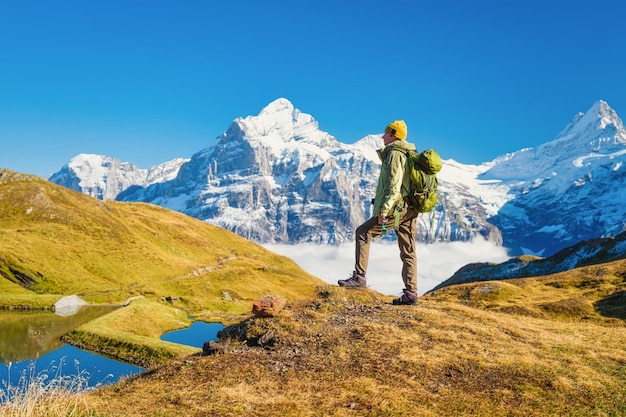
pixel 46 394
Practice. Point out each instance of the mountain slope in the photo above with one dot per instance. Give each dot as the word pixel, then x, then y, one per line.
pixel 274 177
pixel 57 241
pixel 589 252
pixel 277 177
pixel 567 190
pixel 103 177
pixel 591 293
pixel 352 353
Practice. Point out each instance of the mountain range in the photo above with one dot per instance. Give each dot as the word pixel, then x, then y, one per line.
pixel 277 178
pixel 585 253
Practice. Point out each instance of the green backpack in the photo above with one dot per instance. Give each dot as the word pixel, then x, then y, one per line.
pixel 423 171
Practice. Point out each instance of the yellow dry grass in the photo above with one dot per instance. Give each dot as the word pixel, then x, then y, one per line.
pixel 57 242
pixel 348 353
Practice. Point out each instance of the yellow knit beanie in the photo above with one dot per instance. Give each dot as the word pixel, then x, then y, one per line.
pixel 397 128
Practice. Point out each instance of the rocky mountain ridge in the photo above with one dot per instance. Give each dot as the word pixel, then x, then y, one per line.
pixel 276 177
pixel 585 253
pixel 565 191
pixel 103 177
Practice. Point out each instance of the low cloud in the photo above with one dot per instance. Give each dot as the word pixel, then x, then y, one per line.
pixel 435 262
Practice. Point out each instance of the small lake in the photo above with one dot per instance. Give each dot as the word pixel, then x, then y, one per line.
pixel 195 335
pixel 31 349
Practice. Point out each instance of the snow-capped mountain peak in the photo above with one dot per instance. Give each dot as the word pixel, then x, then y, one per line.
pixel 276 177
pixel 600 121
pixel 568 189
pixel 280 125
pixel 103 177
pixel 368 146
pixel 92 169
pixel 599 133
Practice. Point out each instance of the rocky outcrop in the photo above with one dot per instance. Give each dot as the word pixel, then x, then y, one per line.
pixel 268 306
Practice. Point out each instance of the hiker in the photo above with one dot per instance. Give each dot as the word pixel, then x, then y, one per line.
pixel 389 211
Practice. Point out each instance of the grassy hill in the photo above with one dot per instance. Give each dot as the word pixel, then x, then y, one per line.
pixel 594 293
pixel 546 346
pixel 542 346
pixel 56 242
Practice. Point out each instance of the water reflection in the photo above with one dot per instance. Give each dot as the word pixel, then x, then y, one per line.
pixel 195 335
pixel 31 350
pixel 69 305
pixel 29 335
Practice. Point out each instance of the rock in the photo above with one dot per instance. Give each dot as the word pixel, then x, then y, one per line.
pixel 268 306
pixel 211 348
pixel 267 339
pixel 69 305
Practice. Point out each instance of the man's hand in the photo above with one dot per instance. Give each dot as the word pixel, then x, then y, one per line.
pixel 382 219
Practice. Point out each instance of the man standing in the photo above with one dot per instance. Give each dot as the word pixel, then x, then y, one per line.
pixel 390 210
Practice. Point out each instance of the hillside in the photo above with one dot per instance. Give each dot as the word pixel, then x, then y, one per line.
pixel 542 346
pixel 584 253
pixel 548 346
pixel 56 242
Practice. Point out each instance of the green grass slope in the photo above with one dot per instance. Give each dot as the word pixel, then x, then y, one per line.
pixel 57 241
pixel 591 293
pixel 542 346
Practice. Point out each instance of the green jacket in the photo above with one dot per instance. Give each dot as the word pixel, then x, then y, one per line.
pixel 394 179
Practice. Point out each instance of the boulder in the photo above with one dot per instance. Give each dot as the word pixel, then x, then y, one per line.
pixel 268 306
pixel 69 305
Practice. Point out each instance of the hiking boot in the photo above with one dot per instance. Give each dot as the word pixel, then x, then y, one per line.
pixel 408 298
pixel 355 281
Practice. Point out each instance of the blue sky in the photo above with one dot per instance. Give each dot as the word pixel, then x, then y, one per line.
pixel 148 81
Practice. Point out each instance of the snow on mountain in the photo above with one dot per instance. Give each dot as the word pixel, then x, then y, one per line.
pixel 493 193
pixel 103 177
pixel 368 145
pixel 276 177
pixel 566 190
pixel 596 134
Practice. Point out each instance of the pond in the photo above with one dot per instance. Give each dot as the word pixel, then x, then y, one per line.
pixel 195 335
pixel 31 350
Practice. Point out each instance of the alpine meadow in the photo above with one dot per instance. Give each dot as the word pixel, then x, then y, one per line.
pixel 525 347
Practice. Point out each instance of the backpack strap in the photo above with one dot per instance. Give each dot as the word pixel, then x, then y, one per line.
pixel 428 182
